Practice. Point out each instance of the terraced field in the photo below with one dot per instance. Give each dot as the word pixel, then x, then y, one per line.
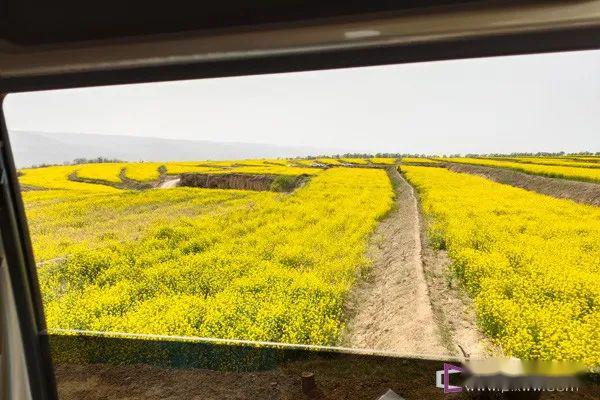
pixel 530 262
pixel 117 253
pixel 204 262
pixel 589 173
pixel 561 161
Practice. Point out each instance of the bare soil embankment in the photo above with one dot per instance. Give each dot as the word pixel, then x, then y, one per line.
pixel 350 377
pixel 581 192
pixel 29 188
pixel 391 309
pixel 260 182
pixel 335 380
pixel 453 310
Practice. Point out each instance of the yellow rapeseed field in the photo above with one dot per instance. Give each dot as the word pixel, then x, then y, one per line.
pixel 278 266
pixel 143 171
pixel 531 262
pixel 561 161
pixel 418 160
pixel 329 161
pixel 204 262
pixel 57 177
pixel 594 159
pixel 552 171
pixel 383 160
pixel 359 161
pixel 273 169
pixel 108 172
pixel 182 167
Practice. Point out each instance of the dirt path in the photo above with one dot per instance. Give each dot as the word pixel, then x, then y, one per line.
pixel 391 309
pixel 169 184
pixel 581 192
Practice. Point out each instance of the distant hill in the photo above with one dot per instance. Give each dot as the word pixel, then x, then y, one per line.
pixel 34 148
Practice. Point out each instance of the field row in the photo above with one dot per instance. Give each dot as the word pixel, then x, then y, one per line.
pixel 587 170
pixel 551 171
pixel 64 177
pixel 208 262
pixel 278 267
pixel 585 162
pixel 51 177
pixel 58 177
pixel 530 262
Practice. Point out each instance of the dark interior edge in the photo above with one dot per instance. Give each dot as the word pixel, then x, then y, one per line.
pixel 498 45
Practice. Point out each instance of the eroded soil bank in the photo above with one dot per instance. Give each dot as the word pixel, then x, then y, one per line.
pixel 453 310
pixel 277 183
pixel 581 192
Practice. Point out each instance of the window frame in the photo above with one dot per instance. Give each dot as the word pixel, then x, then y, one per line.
pixel 15 241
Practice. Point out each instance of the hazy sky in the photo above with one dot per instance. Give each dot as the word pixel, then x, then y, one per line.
pixel 522 103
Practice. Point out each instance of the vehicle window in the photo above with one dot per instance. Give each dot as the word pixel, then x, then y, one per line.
pixel 431 211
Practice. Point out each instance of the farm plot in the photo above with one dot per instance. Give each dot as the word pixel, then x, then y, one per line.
pixel 529 261
pixel 561 161
pixel 205 262
pixel 108 172
pixel 270 266
pixel 589 159
pixel 78 177
pixel 357 161
pixel 329 161
pixel 383 160
pixel 62 222
pixel 551 171
pixel 581 192
pixel 57 177
pixel 143 172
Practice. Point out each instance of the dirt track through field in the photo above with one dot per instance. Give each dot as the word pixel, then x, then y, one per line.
pixel 391 309
pixel 581 192
pixel 169 184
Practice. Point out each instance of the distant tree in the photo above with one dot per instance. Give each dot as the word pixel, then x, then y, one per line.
pixel 97 160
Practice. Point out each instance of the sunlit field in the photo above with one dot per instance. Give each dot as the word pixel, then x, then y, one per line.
pixel 531 262
pixel 117 251
pixel 552 169
pixel 203 262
